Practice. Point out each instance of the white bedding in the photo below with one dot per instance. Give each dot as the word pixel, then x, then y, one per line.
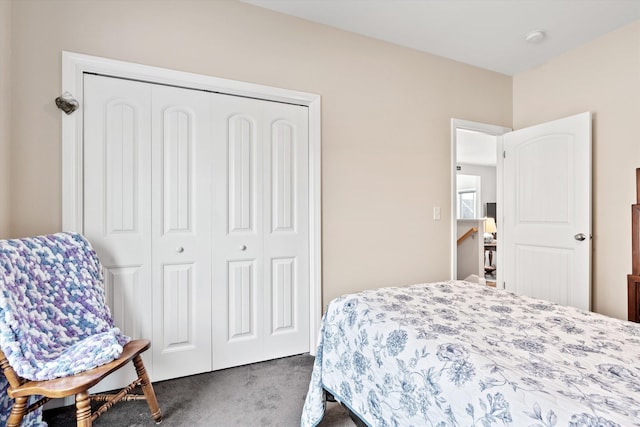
pixel 462 354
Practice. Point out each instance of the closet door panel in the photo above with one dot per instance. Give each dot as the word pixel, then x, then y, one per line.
pixel 283 179
pixel 242 323
pixel 177 290
pixel 283 295
pixel 181 249
pixel 117 193
pixel 116 198
pixel 122 145
pixel 242 174
pixel 286 240
pixel 178 162
pixel 238 290
pixel 123 287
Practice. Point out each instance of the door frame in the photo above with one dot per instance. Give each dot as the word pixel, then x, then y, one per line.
pixel 75 65
pixel 496 131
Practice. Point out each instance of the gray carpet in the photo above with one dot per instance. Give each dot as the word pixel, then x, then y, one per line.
pixel 262 394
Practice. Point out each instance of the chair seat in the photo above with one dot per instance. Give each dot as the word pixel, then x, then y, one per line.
pixel 68 386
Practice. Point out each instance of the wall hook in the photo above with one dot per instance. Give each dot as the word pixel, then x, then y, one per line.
pixel 67 103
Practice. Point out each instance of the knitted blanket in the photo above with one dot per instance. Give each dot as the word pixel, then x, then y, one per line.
pixel 54 320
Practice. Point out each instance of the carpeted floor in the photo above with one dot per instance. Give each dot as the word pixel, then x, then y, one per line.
pixel 259 395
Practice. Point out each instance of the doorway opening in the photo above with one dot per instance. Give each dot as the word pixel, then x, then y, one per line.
pixel 475 201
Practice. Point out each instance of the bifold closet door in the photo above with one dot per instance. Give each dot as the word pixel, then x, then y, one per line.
pixel 260 254
pixel 147 210
pixel 197 204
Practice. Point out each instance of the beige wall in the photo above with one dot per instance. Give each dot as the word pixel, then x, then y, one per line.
pixel 385 128
pixel 386 114
pixel 602 77
pixel 5 115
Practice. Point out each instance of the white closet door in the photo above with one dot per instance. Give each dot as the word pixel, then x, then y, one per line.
pixel 286 229
pixel 197 204
pixel 117 196
pixel 260 259
pixel 181 250
pixel 147 210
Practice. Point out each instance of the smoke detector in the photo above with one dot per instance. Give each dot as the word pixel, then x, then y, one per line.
pixel 535 36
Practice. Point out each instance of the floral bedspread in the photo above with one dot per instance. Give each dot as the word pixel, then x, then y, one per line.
pixel 463 354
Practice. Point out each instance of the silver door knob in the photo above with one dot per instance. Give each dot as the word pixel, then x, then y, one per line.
pixel 580 237
pixel 243 247
pixel 179 249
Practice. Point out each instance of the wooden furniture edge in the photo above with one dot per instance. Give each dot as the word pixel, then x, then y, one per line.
pixel 67 386
pixel 633 279
pixel 633 297
pixel 638 185
pixel 635 240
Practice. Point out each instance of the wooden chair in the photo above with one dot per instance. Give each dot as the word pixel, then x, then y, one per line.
pixel 57 337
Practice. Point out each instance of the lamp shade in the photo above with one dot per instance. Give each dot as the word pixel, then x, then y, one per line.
pixel 490 225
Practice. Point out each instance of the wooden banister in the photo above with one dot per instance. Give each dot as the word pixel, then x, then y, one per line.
pixel 468 233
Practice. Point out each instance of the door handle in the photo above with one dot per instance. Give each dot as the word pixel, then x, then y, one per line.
pixel 179 249
pixel 580 237
pixel 243 247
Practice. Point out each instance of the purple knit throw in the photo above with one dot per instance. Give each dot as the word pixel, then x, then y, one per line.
pixel 54 321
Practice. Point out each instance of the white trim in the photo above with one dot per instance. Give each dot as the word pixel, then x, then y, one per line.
pixel 74 65
pixel 490 130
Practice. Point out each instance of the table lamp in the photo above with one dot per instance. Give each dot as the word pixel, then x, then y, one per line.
pixel 489 229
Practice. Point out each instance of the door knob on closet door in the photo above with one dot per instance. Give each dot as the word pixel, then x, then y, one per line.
pixel 580 237
pixel 179 249
pixel 243 247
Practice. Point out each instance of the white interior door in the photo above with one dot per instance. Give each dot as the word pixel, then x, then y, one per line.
pixel 547 211
pixel 261 257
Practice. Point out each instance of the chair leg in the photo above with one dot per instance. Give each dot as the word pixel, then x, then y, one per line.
pixel 147 389
pixel 17 411
pixel 83 409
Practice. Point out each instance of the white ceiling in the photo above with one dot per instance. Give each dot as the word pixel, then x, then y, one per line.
pixel 485 33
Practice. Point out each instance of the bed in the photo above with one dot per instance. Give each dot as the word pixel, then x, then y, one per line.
pixel 462 354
